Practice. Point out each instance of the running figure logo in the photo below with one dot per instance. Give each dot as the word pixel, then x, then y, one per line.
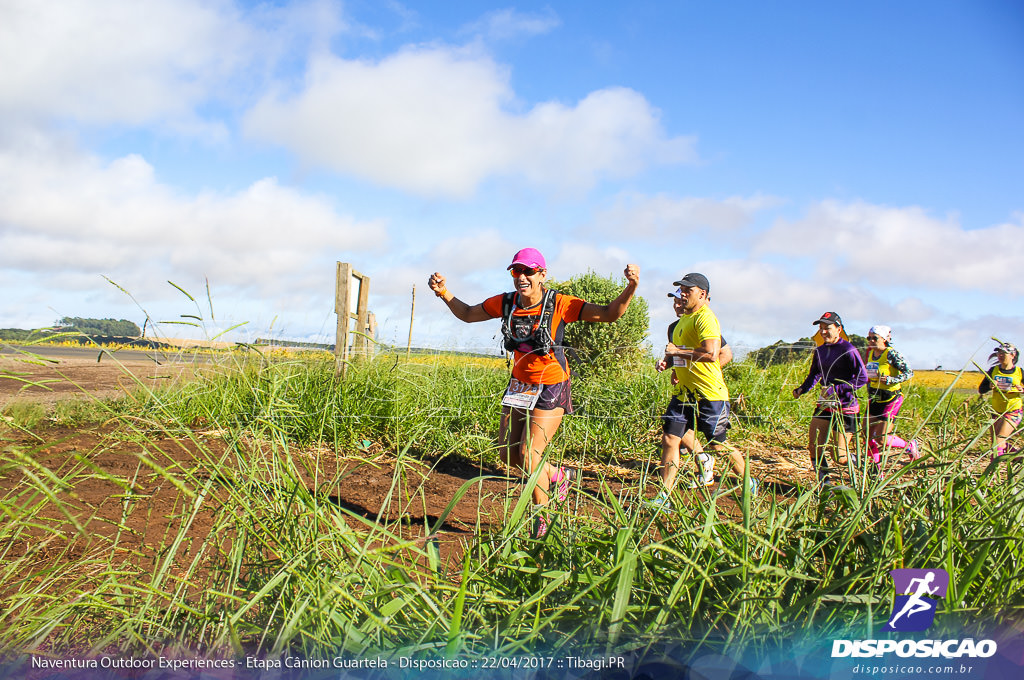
pixel 917 594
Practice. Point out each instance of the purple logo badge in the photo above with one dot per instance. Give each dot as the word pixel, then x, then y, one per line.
pixel 917 594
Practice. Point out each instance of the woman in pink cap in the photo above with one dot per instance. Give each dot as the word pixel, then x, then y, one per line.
pixel 533 319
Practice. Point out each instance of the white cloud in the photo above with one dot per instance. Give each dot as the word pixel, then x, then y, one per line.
pixel 138 63
pixel 764 302
pixel 439 121
pixel 612 132
pixel 509 24
pixel 636 216
pixel 957 341
pixel 902 246
pixel 477 251
pixel 473 264
pixel 115 60
pixel 75 214
pixel 397 280
pixel 909 310
pixel 578 258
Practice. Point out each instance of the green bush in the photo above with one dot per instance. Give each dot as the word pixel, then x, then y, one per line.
pixel 604 345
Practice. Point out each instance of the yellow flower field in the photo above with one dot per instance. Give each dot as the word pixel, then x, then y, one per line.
pixel 942 379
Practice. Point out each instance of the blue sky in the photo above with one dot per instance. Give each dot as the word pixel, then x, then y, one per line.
pixel 866 158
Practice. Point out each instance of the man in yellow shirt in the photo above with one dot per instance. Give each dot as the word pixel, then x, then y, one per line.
pixel 700 398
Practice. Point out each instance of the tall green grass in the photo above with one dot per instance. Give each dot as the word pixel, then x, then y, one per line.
pixel 286 568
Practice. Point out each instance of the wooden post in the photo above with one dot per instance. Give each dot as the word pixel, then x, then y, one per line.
pixel 343 307
pixel 371 329
pixel 362 343
pixel 412 313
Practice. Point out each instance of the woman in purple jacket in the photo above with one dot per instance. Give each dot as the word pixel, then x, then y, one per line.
pixel 838 366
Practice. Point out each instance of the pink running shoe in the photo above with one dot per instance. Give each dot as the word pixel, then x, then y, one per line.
pixel 912 450
pixel 563 477
pixel 876 454
pixel 540 526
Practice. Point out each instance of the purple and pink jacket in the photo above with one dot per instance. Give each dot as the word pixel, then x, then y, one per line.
pixel 840 368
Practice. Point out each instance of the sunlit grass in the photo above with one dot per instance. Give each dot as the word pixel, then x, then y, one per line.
pixel 284 567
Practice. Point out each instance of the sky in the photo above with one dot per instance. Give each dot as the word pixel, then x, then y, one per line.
pixel 860 157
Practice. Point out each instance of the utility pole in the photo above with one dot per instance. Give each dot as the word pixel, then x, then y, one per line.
pixel 412 314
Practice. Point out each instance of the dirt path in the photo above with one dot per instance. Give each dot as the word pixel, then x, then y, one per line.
pixel 123 504
pixel 53 378
pixel 126 492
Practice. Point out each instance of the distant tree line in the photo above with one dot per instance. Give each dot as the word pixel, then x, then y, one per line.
pixel 784 352
pixel 99 331
pixel 101 327
pixel 21 335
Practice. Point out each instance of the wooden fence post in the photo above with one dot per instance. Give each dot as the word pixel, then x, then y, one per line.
pixel 362 344
pixel 343 307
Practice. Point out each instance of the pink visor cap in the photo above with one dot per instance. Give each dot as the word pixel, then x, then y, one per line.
pixel 529 257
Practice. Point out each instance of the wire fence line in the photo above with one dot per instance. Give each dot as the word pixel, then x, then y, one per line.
pixel 442 401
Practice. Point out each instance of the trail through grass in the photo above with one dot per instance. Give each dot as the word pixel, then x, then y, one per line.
pixel 283 568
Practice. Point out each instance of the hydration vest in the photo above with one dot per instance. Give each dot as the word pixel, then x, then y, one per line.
pixel 537 338
pixel 1003 400
pixel 880 366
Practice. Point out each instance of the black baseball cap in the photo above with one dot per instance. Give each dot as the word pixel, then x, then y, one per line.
pixel 694 280
pixel 828 317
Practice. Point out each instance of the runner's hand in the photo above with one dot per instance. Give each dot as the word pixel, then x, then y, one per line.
pixel 436 282
pixel 632 273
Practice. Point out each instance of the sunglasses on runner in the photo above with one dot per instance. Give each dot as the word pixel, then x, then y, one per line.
pixel 516 270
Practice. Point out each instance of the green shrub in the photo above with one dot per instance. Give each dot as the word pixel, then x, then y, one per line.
pixel 602 345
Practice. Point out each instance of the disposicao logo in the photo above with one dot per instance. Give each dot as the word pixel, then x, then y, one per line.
pixel 914 605
pixel 918 592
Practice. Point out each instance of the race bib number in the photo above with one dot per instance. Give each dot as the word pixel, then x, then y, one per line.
pixel 1004 382
pixel 521 395
pixel 872 367
pixel 828 400
pixel 680 362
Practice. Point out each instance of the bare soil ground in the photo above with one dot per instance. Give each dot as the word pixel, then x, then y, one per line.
pixel 49 380
pixel 138 529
